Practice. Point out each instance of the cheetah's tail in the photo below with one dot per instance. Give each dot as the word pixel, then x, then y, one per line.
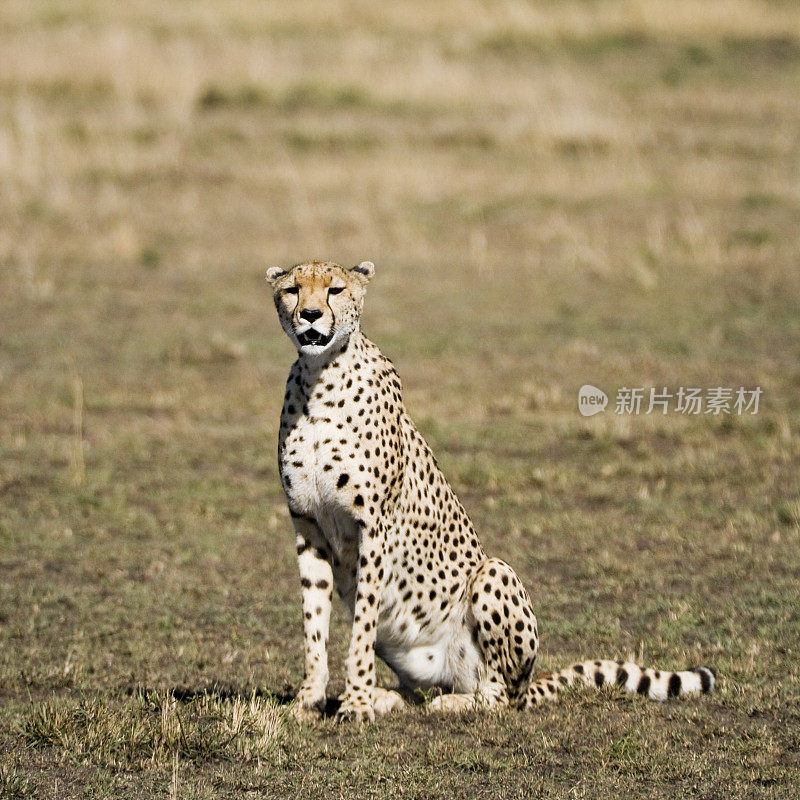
pixel 655 684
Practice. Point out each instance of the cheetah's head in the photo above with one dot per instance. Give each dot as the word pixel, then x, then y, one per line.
pixel 319 303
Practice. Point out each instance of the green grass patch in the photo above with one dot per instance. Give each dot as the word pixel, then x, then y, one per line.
pixel 301 96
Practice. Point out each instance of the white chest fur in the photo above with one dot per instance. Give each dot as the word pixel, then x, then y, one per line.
pixel 319 444
pixel 306 453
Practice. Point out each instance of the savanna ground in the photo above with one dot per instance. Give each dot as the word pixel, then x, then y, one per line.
pixel 554 194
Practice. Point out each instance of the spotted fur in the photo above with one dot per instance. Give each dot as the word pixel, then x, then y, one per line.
pixel 375 518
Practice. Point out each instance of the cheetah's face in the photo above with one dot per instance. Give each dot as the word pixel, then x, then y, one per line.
pixel 319 304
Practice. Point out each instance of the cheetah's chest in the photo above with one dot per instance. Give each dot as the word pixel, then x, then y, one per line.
pixel 314 455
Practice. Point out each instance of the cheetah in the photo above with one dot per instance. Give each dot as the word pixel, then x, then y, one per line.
pixel 375 517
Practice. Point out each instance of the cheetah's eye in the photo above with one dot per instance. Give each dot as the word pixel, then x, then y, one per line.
pixel 291 290
pixel 335 289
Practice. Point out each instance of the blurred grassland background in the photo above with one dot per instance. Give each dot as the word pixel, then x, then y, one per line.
pixel 554 193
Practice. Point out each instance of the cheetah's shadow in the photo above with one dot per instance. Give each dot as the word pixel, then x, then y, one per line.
pixel 187 693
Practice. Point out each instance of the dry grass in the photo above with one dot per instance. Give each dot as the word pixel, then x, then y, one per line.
pixel 152 727
pixel 554 194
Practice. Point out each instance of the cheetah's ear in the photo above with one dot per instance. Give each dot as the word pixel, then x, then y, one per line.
pixel 366 269
pixel 273 273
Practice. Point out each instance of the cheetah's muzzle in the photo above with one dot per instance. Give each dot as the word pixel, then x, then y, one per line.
pixel 312 337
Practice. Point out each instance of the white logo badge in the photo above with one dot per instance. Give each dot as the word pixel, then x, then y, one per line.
pixel 591 400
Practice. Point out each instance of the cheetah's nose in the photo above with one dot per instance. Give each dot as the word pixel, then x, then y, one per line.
pixel 310 314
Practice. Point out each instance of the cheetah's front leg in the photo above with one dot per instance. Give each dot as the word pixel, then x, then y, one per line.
pixel 316 577
pixel 358 697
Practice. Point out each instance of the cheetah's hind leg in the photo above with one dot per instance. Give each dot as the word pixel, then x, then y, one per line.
pixel 504 630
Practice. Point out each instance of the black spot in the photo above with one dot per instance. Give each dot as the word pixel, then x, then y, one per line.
pixel 644 685
pixel 496 617
pixel 343 478
pixel 358 500
pixel 578 668
pixel 705 680
pixel 599 679
pixel 674 685
pixel 622 677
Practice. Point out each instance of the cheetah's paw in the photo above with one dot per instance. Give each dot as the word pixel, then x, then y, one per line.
pixel 355 707
pixel 452 703
pixel 386 700
pixel 308 706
